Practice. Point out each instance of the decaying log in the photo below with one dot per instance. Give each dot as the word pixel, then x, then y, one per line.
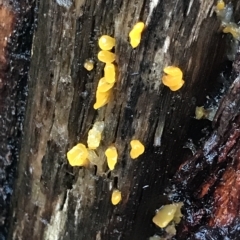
pixel 209 182
pixel 52 200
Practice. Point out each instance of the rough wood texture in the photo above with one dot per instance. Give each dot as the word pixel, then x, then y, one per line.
pixel 16 20
pixel 51 199
pixel 208 182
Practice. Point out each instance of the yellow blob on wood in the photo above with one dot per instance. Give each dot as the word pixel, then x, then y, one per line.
pixel 77 156
pixel 106 56
pixel 220 5
pixel 106 42
pixel 173 79
pixel 103 85
pixel 200 113
pixel 233 29
pixel 167 214
pixel 135 34
pixel 112 155
pixel 88 65
pixel 116 197
pixel 137 149
pixel 110 73
pixel 95 135
pixel 102 98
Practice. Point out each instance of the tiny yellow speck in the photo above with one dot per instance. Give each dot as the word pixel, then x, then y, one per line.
pixel 112 155
pixel 106 42
pixel 77 156
pixel 137 149
pixel 89 65
pixel 116 197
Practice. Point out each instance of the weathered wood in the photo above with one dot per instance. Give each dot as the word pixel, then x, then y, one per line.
pixel 51 199
pixel 208 182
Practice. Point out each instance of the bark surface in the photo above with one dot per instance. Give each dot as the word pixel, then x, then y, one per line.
pixel 55 201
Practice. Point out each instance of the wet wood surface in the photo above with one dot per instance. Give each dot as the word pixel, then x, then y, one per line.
pixel 16 30
pixel 52 200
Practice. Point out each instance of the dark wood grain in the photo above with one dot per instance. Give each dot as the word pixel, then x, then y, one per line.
pixel 16 30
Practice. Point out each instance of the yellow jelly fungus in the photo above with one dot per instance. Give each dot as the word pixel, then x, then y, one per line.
pixel 167 214
pixel 116 197
pixel 77 156
pixel 137 149
pixel 102 98
pixel 88 65
pixel 178 214
pixel 173 71
pixel 106 42
pixel 94 138
pixel 103 85
pixel 106 56
pixel 220 5
pixel 135 34
pixel 110 73
pixel 95 135
pixel 233 29
pixel 200 113
pixel 173 79
pixel 112 155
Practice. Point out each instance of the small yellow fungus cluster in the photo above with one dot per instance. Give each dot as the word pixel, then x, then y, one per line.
pixel 167 214
pixel 224 13
pixel 220 5
pixel 95 135
pixel 112 155
pixel 233 29
pixel 200 113
pixel 78 156
pixel 173 78
pixel 137 148
pixel 88 65
pixel 135 34
pixel 116 197
pixel 106 83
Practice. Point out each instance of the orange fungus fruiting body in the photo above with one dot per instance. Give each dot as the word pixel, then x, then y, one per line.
pixel 110 73
pixel 88 65
pixel 77 156
pixel 135 34
pixel 137 148
pixel 173 79
pixel 116 197
pixel 106 56
pixel 112 155
pixel 106 42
